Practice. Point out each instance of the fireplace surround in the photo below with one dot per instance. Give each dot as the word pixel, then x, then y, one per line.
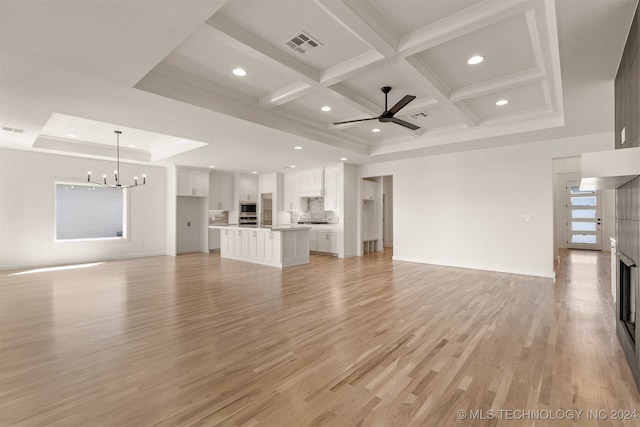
pixel 628 301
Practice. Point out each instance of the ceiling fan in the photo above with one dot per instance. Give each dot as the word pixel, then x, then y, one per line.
pixel 388 115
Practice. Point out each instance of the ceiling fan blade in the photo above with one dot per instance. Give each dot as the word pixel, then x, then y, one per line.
pixel 353 121
pixel 405 124
pixel 401 104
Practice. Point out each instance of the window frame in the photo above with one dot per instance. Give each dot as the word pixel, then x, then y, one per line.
pixel 125 214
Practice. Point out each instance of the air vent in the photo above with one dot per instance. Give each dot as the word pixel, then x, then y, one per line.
pixel 7 129
pixel 419 115
pixel 302 42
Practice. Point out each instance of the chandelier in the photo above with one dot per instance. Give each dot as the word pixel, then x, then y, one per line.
pixel 117 172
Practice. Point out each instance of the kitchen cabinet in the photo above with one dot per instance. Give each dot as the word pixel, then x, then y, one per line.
pixel 247 188
pixel 368 189
pixel 292 201
pixel 331 189
pixel 214 239
pixel 253 244
pixel 313 239
pixel 227 241
pixel 280 247
pixel 192 183
pixel 221 189
pixel 327 241
pixel 311 183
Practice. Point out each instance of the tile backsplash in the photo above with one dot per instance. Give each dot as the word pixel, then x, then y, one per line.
pixel 315 213
pixel 218 217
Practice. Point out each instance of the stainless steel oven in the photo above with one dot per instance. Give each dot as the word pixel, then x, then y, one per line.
pixel 248 213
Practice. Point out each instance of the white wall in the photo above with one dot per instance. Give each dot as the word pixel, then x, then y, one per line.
pixel 387 189
pixel 27 213
pixel 466 209
pixel 348 204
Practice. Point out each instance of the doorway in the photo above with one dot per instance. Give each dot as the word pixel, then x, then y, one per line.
pixel 583 225
pixel 376 213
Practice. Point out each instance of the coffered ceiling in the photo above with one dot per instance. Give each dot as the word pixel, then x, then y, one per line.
pixel 417 48
pixel 162 73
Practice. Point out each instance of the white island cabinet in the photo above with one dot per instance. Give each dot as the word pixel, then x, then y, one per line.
pixel 279 246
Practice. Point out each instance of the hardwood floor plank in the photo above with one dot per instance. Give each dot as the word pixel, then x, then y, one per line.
pixel 200 340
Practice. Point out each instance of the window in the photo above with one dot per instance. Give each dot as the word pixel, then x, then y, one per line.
pixel 90 212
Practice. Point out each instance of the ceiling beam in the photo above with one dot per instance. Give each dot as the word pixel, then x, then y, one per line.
pixel 460 24
pixel 501 83
pixel 421 74
pixel 358 101
pixel 363 21
pixel 285 94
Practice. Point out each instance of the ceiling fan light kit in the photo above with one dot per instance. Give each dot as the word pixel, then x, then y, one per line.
pixel 388 116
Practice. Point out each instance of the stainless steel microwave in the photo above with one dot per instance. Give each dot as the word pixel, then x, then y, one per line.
pixel 248 208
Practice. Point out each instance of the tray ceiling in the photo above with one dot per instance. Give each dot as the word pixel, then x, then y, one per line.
pixel 418 48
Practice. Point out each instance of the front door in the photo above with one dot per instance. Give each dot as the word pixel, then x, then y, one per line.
pixel 583 224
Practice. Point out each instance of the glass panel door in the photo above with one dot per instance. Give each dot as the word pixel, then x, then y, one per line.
pixel 583 227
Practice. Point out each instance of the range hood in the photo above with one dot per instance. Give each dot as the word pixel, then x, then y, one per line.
pixel 605 170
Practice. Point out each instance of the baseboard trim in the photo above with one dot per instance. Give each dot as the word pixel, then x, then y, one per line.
pixel 468 267
pixel 82 261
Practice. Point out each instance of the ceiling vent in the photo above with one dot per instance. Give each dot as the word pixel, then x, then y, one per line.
pixel 302 42
pixel 7 129
pixel 419 115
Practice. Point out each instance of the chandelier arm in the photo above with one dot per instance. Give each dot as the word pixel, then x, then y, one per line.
pixel 117 171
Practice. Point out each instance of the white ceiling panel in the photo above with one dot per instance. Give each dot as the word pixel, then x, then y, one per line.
pixel 310 106
pixel 408 16
pixel 436 118
pixel 208 56
pixel 388 131
pixel 506 47
pixel 369 82
pixel 276 21
pixel 81 130
pixel 521 99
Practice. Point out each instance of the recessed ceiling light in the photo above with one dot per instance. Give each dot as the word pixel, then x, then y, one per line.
pixel 254 172
pixel 375 130
pixel 502 102
pixel 326 108
pixel 72 135
pixel 239 72
pixel 297 147
pixel 475 60
pixel 343 158
pixel 212 167
pixel 292 166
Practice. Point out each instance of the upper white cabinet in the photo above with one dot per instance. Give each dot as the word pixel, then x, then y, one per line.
pixel 247 188
pixel 368 190
pixel 292 201
pixel 311 183
pixel 221 190
pixel 267 183
pixel 290 180
pixel 331 189
pixel 192 183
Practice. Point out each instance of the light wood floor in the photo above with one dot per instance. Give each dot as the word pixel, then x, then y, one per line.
pixel 199 340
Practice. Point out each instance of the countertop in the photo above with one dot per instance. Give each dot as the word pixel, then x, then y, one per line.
pixel 277 227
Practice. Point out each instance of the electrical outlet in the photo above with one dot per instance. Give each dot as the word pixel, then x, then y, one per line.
pixel 526 217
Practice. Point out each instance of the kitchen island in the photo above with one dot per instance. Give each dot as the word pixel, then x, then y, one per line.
pixel 278 246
